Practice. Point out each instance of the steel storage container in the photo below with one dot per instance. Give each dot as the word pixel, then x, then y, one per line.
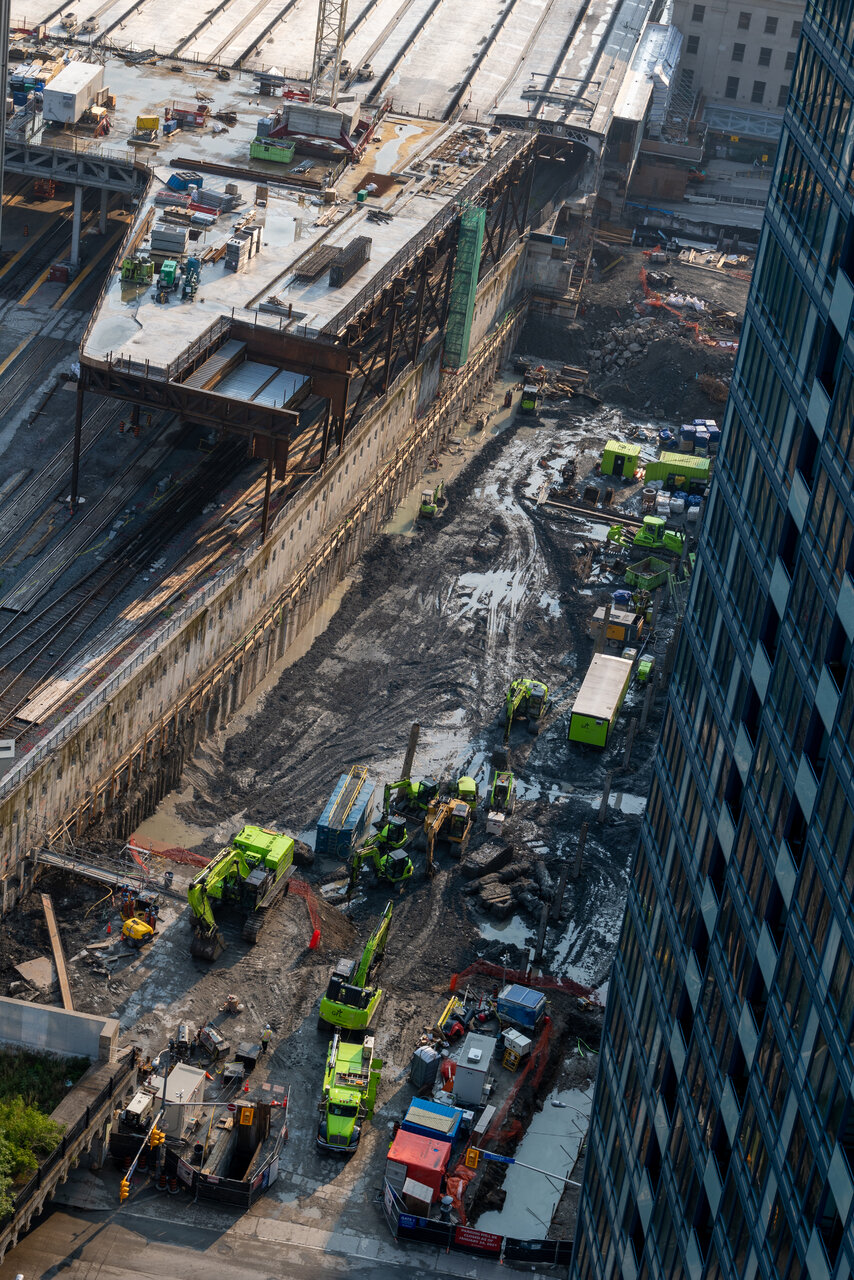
pixel 347 814
pixel 521 1005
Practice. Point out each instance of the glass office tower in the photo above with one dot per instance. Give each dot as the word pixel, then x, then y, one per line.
pixel 722 1142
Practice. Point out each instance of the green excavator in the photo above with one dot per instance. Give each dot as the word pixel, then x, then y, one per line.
pixel 408 796
pixel 350 1001
pixel 251 873
pixel 526 700
pixel 502 795
pixel 384 851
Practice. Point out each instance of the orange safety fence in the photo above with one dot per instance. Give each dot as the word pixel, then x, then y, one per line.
pixel 545 982
pixel 176 854
pixel 305 891
pixel 456 1184
pixel 655 300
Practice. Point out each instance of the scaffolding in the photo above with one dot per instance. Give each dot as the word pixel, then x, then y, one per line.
pixel 464 286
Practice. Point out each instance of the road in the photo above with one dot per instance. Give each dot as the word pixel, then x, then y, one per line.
pixel 117 1244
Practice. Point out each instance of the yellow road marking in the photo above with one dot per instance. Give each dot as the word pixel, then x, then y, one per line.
pixel 5 365
pixel 111 243
pixel 16 257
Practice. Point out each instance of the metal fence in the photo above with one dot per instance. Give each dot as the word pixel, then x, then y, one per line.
pixel 406 1226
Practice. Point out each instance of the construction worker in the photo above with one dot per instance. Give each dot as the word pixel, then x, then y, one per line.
pixel 266 1037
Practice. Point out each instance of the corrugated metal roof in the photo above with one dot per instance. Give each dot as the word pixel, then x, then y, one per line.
pixel 278 392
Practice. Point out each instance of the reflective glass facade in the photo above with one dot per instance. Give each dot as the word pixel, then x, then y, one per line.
pixel 722 1143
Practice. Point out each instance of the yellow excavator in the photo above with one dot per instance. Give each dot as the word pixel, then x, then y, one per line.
pixel 449 820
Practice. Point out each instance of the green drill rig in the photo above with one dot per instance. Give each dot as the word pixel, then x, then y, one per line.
pixel 408 796
pixel 250 874
pixel 526 700
pixel 350 1002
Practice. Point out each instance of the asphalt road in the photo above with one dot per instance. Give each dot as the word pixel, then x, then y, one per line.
pixel 113 1246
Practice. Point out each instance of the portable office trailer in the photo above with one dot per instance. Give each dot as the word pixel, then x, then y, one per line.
pixel 598 701
pixel 620 459
pixel 72 92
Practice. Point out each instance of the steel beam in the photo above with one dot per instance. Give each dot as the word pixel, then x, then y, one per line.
pixel 80 168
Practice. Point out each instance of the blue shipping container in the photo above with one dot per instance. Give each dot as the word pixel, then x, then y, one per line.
pixel 347 814
pixel 416 1120
pixel 521 1005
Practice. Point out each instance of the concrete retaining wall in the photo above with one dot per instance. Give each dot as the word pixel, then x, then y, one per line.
pixel 124 747
pixel 72 1035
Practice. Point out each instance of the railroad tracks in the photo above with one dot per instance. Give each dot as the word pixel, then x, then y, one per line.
pixel 33 649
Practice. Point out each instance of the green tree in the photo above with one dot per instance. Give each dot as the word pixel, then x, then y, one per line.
pixel 25 1134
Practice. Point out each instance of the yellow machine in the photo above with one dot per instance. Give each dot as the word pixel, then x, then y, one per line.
pixel 136 931
pixel 452 821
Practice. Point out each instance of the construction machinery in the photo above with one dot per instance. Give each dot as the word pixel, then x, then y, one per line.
pixel 653 534
pixel 137 931
pixel 137 270
pixel 349 1094
pixel 168 280
pixel 526 699
pixel 192 274
pixel 350 1001
pixel 44 189
pixel 449 820
pixel 250 874
pixel 384 851
pixel 502 794
pixel 431 500
pixel 466 790
pixel 409 796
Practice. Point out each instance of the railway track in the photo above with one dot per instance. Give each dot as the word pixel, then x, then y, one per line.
pixel 32 650
pixel 50 479
pixel 28 370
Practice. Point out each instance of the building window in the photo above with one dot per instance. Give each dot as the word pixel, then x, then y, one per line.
pixel 765 57
pixel 796 31
pixel 770 26
pixel 744 20
pixel 738 52
pixel 693 44
pixel 758 94
pixel 731 90
pixel 698 13
pixel 783 96
pixel 790 61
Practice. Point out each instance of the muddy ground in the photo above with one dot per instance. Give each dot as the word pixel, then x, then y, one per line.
pixel 436 621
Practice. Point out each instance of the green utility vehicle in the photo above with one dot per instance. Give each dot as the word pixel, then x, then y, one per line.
pixel 467 792
pixel 349 1094
pixel 526 700
pixel 502 796
pixel 431 500
pixel 250 874
pixel 192 277
pixel 385 853
pixel 409 796
pixel 350 1002
pixel 168 280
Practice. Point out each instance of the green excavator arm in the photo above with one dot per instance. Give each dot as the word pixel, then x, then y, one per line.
pixel 209 882
pixel 374 948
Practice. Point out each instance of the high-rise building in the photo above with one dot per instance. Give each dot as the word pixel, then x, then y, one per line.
pixel 722 1142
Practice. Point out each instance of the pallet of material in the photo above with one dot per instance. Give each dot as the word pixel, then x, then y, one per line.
pixel 316 263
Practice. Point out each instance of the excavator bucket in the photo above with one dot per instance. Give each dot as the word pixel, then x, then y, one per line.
pixel 207 946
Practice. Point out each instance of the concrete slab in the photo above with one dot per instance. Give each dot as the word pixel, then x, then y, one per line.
pixel 41 972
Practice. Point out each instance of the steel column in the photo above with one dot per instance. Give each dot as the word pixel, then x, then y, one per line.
pixel 75 226
pixel 78 436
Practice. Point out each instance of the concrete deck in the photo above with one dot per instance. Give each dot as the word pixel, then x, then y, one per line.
pixel 131 324
pixel 422 53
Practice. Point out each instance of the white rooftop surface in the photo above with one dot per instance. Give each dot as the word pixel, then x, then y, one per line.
pixel 424 57
pixel 130 324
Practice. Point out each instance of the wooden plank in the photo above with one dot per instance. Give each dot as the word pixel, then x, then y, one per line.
pixel 58 953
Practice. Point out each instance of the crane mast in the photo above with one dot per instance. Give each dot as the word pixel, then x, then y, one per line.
pixel 328 51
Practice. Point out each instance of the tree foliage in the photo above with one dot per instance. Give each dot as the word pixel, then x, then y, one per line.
pixel 25 1135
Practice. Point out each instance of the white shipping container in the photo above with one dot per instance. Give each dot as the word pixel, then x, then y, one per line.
pixel 72 92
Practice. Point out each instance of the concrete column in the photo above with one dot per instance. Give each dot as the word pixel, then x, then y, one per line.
pixel 75 226
pixel 102 222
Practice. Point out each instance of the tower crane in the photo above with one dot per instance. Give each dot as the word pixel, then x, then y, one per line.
pixel 328 51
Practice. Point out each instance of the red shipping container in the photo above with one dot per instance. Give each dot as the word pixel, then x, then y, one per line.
pixel 425 1159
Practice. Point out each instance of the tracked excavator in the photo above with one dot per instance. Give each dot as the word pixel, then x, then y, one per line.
pixel 250 874
pixel 350 1001
pixel 526 699
pixel 449 820
pixel 384 852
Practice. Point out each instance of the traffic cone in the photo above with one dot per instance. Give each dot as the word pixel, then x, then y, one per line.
pixel 208 1076
pixel 109 928
pixel 315 939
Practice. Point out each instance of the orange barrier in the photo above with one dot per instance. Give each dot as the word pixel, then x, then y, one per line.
pixel 545 982
pixel 176 854
pixel 304 891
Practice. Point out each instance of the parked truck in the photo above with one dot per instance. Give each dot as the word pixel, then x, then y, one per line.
pixel 349 1094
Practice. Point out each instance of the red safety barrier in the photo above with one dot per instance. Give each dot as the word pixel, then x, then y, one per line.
pixel 545 982
pixel 176 854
